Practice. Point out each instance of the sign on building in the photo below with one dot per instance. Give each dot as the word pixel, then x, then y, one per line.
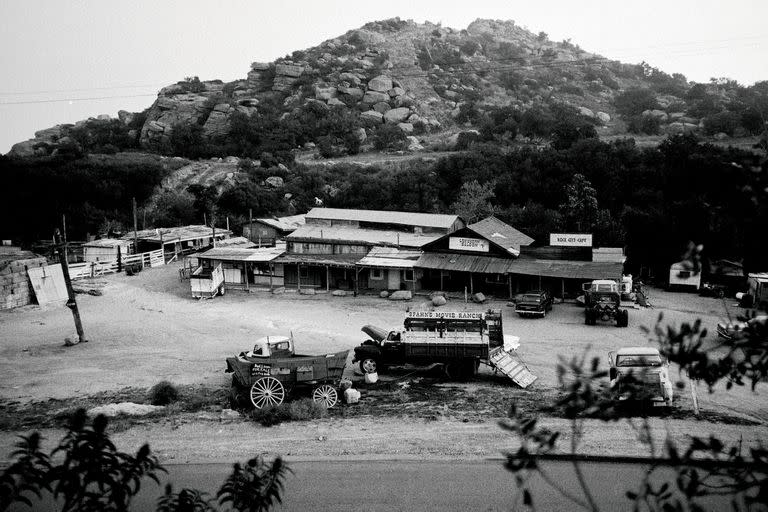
pixel 458 243
pixel 570 239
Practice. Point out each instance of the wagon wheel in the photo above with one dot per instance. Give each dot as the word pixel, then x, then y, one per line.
pixel 326 395
pixel 267 391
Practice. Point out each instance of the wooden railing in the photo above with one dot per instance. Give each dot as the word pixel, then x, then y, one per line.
pixel 98 268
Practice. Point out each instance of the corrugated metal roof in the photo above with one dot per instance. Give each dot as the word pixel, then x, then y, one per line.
pixel 433 220
pixel 107 243
pixel 314 233
pixel 567 269
pixel 239 241
pixel 465 263
pixel 390 257
pixel 241 254
pixel 284 223
pixel 501 233
pixel 336 260
pixel 178 234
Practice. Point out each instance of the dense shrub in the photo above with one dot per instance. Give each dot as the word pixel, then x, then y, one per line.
pixel 388 136
pixel 639 124
pixel 163 393
pixel 634 101
pixel 296 410
pixel 725 122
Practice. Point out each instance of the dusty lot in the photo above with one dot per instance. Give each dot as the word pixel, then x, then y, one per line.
pixel 146 328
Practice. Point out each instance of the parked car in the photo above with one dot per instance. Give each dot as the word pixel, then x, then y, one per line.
pixel 640 374
pixel 536 302
pixel 737 328
pixel 713 290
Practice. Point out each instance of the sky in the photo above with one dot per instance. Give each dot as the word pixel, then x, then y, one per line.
pixel 67 60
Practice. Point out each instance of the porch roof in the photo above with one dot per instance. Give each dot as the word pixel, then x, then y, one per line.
pixel 465 263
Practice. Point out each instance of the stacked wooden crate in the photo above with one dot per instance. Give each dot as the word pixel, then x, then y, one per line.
pixel 15 288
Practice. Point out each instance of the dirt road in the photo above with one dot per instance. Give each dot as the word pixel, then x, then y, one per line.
pixel 147 328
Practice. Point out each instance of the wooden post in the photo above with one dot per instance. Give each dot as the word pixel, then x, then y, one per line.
pixel 227 222
pixel 162 248
pixel 298 276
pixel 205 219
pixel 271 273
pixel 250 225
pixel 64 225
pixel 509 282
pixel 327 278
pixel 562 289
pixel 135 229
pixel 357 272
pixel 471 284
pixel 71 302
pixel 694 396
pixel 441 280
pixel 245 274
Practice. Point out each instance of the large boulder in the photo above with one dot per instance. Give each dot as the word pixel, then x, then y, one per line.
pixel 167 111
pixel 217 124
pixel 401 295
pixel 439 300
pixel 381 83
pixel 603 117
pixel 586 112
pixel 354 92
pixel 372 97
pixel 350 78
pixel 397 115
pixel 382 107
pixel 413 144
pixel 275 182
pixel 371 117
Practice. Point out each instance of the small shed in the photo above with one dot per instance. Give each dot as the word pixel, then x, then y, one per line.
pixel 244 267
pixel 682 275
pixel 106 249
pixel 266 231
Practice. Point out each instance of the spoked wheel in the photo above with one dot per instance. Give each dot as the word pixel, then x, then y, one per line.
pixel 325 395
pixel 267 391
pixel 368 366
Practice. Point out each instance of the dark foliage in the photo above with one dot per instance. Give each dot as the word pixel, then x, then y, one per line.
pixel 163 393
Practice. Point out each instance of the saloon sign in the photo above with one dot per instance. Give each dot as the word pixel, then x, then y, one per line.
pixel 458 243
pixel 570 239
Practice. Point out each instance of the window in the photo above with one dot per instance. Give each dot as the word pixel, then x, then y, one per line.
pixel 304 272
pixel 684 274
pixel 377 273
pixel 408 274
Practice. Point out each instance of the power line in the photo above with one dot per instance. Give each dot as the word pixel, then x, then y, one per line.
pixel 77 99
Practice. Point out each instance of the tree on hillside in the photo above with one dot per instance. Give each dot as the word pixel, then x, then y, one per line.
pixel 474 201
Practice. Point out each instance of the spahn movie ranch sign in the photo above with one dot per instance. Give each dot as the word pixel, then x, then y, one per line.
pixel 458 243
pixel 570 239
pixel 452 315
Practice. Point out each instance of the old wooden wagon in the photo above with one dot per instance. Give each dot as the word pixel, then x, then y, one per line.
pixel 271 371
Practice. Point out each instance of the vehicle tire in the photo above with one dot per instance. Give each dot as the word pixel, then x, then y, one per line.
pixel 325 395
pixel 622 318
pixel 369 365
pixel 544 313
pixel 453 370
pixel 720 293
pixel 267 391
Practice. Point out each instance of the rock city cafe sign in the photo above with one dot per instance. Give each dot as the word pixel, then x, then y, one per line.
pixel 570 239
pixel 458 243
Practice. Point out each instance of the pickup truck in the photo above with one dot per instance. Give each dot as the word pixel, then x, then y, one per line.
pixel 640 374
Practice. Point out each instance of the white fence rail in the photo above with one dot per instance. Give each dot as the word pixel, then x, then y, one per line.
pixel 99 268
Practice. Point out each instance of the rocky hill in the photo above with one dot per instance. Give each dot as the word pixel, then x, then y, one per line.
pixel 422 78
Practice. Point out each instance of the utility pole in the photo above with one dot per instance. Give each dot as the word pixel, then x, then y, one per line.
pixel 71 302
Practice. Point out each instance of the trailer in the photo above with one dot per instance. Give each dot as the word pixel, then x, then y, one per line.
pixel 207 282
pixel 271 371
pixel 457 340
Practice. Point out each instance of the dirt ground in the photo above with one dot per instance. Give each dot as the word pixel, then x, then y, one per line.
pixel 146 328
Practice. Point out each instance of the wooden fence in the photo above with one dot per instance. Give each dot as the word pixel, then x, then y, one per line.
pixel 99 268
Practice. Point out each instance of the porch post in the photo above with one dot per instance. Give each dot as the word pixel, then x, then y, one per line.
pixel 562 289
pixel 471 285
pixel 357 271
pixel 298 276
pixel 271 273
pixel 245 273
pixel 327 278
pixel 509 282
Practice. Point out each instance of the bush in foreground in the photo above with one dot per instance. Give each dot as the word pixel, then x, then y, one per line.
pixel 163 393
pixel 87 472
pixel 297 410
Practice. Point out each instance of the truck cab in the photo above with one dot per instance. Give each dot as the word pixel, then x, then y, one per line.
pixel 271 346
